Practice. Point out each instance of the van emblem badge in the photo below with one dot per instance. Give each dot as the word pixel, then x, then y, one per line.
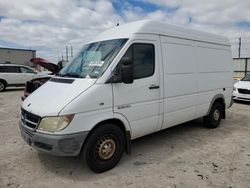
pixel 124 106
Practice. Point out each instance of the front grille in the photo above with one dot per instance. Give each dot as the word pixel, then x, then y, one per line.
pixel 244 91
pixel 30 120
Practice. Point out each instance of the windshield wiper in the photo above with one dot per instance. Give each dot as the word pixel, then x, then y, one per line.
pixel 70 74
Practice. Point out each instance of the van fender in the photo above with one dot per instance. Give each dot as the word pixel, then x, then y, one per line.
pixel 125 123
pixel 124 120
pixel 94 119
pixel 218 96
pixel 128 129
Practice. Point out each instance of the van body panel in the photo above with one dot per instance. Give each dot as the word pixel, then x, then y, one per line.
pixel 180 80
pixel 194 78
pixel 97 97
pixel 52 97
pixel 215 75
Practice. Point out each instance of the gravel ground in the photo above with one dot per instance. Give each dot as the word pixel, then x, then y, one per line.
pixel 187 155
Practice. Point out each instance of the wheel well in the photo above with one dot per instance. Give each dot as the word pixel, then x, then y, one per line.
pixel 222 102
pixel 118 123
pixel 113 121
pixel 4 82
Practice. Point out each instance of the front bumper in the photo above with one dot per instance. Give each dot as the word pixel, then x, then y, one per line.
pixel 59 145
pixel 242 97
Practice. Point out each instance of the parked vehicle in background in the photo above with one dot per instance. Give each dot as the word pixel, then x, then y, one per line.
pixel 33 84
pixel 129 81
pixel 15 75
pixel 242 89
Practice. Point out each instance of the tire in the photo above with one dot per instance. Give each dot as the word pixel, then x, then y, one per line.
pixel 104 148
pixel 213 119
pixel 2 85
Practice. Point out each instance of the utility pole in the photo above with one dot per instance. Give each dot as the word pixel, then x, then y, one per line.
pixel 239 46
pixel 67 55
pixel 71 51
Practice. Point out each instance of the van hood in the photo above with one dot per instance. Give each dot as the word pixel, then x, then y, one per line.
pixel 242 84
pixel 54 95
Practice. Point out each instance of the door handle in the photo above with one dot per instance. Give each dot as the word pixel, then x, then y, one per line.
pixel 154 86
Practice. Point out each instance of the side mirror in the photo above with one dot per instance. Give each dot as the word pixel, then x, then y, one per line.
pixel 127 70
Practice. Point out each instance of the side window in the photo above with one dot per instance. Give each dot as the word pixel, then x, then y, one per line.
pixel 2 69
pixel 26 70
pixel 143 56
pixel 10 69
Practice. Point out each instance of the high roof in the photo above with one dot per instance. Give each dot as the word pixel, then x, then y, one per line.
pixel 155 27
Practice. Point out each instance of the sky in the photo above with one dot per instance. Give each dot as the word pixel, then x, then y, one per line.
pixel 49 25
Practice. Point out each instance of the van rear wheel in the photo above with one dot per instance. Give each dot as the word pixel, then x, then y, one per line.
pixel 213 119
pixel 104 148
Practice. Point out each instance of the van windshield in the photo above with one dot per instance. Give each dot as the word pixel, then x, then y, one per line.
pixel 93 59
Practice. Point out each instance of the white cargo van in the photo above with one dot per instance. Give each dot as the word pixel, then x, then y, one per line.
pixel 129 81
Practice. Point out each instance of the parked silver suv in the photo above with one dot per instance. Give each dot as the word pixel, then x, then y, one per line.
pixel 15 75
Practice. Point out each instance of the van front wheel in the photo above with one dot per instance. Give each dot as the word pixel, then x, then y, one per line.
pixel 104 148
pixel 213 119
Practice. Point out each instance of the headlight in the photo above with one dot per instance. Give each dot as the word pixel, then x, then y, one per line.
pixel 234 88
pixel 52 124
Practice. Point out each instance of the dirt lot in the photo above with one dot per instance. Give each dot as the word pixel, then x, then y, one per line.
pixel 187 155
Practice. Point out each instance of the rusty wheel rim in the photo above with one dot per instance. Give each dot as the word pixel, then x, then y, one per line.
pixel 106 148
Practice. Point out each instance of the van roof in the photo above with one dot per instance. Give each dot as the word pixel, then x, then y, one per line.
pixel 160 28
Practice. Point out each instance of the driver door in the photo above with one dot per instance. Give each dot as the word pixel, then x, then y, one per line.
pixel 139 102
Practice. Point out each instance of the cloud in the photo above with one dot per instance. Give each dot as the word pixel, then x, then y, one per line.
pixel 48 25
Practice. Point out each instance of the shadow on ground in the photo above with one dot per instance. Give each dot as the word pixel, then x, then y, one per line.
pixel 12 89
pixel 242 102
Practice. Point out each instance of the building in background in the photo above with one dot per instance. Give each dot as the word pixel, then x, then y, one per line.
pixel 16 56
